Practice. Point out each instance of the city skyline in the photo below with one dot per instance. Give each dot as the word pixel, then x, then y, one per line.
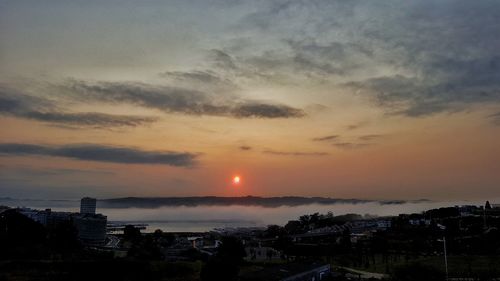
pixel 342 99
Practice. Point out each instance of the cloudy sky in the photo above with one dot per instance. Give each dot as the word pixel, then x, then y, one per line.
pixel 363 99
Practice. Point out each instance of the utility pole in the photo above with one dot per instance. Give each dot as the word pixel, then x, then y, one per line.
pixel 445 258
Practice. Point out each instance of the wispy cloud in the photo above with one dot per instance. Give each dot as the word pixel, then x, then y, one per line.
pixel 370 137
pixel 326 138
pixel 436 67
pixel 295 153
pixel 355 126
pixel 19 105
pixel 202 79
pixel 222 59
pixel 344 142
pixel 179 100
pixel 102 153
pixel 495 118
pixel 50 172
pixel 90 119
pixel 351 145
pixel 245 147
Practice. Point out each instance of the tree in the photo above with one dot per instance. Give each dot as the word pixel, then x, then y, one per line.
pixel 145 249
pixel 21 237
pixel 231 249
pixel 487 206
pixel 293 227
pixel 131 233
pixel 225 265
pixel 274 231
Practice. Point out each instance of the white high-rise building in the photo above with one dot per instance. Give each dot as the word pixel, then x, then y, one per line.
pixel 87 205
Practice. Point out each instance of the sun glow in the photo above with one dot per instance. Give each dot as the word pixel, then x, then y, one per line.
pixel 236 180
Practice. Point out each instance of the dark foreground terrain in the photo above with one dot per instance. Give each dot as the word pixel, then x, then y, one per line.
pixel 321 246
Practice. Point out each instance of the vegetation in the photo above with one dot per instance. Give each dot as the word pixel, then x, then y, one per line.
pixel 411 249
pixel 225 265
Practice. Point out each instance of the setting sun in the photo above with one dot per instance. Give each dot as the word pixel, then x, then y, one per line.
pixel 236 180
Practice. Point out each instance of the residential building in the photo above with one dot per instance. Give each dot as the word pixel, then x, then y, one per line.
pixel 88 205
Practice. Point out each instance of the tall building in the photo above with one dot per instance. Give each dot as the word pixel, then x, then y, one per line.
pixel 87 205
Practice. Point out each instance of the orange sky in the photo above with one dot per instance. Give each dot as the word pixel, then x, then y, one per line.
pixel 174 99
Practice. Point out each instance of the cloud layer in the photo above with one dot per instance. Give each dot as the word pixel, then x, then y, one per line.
pixel 37 108
pixel 179 100
pixel 294 153
pixel 102 153
pixel 326 138
pixel 495 118
pixel 346 142
pixel 413 59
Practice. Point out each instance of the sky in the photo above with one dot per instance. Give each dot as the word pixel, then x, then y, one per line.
pixel 335 98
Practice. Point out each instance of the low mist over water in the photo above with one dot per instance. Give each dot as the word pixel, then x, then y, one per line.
pixel 204 218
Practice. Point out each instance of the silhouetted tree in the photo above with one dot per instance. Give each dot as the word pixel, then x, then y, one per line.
pixel 225 265
pixel 274 231
pixel 145 249
pixel 487 206
pixel 293 227
pixel 21 237
pixel 131 233
pixel 232 249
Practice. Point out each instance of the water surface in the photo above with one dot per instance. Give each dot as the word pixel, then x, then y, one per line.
pixel 205 218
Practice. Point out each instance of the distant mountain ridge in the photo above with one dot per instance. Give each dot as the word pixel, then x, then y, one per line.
pixel 270 202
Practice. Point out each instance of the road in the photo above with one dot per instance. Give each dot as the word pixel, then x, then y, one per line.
pixel 366 274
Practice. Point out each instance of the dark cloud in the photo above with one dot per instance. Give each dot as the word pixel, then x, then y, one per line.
pixel 90 119
pixel 201 79
pixel 261 110
pixel 356 126
pixel 495 118
pixel 326 138
pixel 351 145
pixel 50 172
pixel 245 147
pixel 222 59
pixel 304 47
pixel 437 56
pixel 179 100
pixel 336 140
pixel 316 108
pixel 294 153
pixel 420 97
pixel 449 57
pixel 102 153
pixel 332 58
pixel 40 109
pixel 201 76
pixel 352 127
pixel 370 137
pixel 277 65
pixel 14 102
